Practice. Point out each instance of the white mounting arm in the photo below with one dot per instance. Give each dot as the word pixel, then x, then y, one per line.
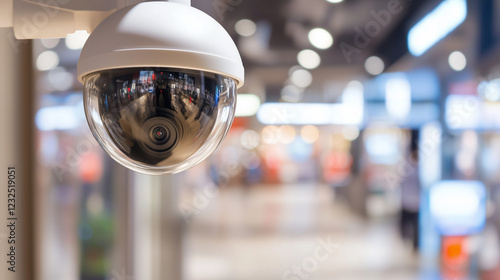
pixel 37 19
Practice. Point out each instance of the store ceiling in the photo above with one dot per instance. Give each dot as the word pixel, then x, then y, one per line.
pixel 283 26
pixel 283 30
pixel 288 22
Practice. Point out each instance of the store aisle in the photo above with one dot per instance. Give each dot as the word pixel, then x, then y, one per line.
pixel 291 232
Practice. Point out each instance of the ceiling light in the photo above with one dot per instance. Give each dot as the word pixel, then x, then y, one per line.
pixel 245 27
pixel 309 134
pixel 436 25
pixel 374 65
pixel 247 105
pixel 291 93
pixel 76 41
pixel 457 61
pixel 309 59
pixel 398 98
pixel 353 97
pixel 47 60
pixel 301 78
pixel 320 38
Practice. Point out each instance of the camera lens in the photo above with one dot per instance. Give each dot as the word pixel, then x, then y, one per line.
pixel 159 134
pixel 164 134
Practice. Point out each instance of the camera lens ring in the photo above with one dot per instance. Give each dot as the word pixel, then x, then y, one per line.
pixel 159 134
pixel 167 140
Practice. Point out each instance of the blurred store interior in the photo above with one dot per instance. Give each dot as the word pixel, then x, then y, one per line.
pixel 366 145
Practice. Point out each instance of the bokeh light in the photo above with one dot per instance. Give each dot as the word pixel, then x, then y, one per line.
pixel 250 139
pixel 457 61
pixel 270 134
pixel 309 59
pixel 374 65
pixel 76 41
pixel 47 60
pixel 286 134
pixel 301 78
pixel 350 133
pixel 320 38
pixel 309 134
pixel 245 27
pixel 291 93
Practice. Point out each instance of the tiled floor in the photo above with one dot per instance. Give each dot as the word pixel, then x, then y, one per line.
pixel 291 232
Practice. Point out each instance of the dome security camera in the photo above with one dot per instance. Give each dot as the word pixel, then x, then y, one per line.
pixel 160 83
pixel 159 77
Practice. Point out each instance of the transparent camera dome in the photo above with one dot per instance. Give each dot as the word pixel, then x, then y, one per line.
pixel 159 121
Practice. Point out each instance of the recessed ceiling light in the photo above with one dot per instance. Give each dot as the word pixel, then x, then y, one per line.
pixel 245 27
pixel 47 60
pixel 301 78
pixel 320 38
pixel 309 59
pixel 457 61
pixel 374 65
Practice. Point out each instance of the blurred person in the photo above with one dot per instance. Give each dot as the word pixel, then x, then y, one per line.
pixel 410 202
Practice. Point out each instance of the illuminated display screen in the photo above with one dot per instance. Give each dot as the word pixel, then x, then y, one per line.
pixel 458 207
